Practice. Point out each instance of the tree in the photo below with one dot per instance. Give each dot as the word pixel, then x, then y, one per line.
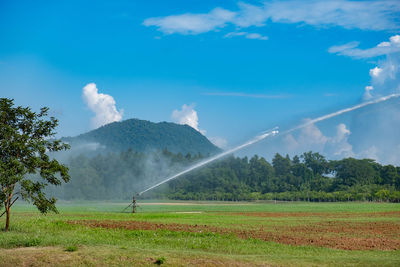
pixel 281 165
pixel 352 171
pixel 389 174
pixel 25 141
pixel 315 161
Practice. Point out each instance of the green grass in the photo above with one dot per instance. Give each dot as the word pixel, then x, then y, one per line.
pixel 53 236
pixel 71 248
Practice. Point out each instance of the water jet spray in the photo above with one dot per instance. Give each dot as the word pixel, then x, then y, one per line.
pixel 270 133
pixel 256 139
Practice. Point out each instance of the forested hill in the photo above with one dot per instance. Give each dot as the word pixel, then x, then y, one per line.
pixel 140 135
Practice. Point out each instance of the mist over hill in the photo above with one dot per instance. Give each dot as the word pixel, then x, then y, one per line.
pixel 143 136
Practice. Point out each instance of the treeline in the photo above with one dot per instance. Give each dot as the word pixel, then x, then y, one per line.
pixel 308 177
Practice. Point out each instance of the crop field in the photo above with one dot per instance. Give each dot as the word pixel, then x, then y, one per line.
pixel 204 234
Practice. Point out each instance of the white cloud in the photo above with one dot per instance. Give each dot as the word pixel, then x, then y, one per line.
pixel 367 92
pixel 192 23
pixel 234 34
pixel 341 133
pixel 311 134
pixel 219 142
pixel 388 73
pixel 370 153
pixel 246 35
pixel 250 15
pixel 345 47
pixel 187 115
pixel 375 72
pixel 384 48
pixel 340 144
pixel 378 137
pixel 385 78
pixel 395 157
pixel 311 138
pixel 365 15
pixel 256 36
pixel 102 105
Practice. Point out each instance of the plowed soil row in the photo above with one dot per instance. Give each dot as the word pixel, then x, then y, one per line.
pixel 316 214
pixel 331 234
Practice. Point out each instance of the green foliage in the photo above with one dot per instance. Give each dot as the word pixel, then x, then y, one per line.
pixel 33 242
pixel 309 177
pixel 71 248
pixel 159 261
pixel 24 146
pixel 143 136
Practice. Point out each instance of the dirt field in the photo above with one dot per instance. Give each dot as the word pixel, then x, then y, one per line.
pixel 347 235
pixel 205 234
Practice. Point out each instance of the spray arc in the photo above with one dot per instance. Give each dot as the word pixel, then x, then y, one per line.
pixel 271 133
pixel 214 158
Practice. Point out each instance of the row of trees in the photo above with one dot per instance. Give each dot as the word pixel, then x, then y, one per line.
pixel 308 177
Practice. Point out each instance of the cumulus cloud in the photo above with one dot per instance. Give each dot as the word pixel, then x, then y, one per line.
pixel 370 153
pixel 309 138
pixel 375 72
pixel 385 77
pixel 337 146
pixel 364 143
pixel 102 105
pixel 367 92
pixel 365 15
pixel 188 115
pixel 340 145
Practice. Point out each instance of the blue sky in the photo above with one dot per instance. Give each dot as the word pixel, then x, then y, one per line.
pixel 238 67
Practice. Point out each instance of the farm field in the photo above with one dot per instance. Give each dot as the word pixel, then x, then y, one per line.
pixel 204 234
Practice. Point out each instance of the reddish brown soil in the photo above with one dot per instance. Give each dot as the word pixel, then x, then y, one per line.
pixel 316 214
pixel 332 234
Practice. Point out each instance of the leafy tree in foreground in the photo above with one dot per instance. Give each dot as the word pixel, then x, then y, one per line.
pixel 24 144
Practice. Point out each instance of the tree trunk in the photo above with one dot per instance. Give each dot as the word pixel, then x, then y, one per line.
pixel 7 218
pixel 7 206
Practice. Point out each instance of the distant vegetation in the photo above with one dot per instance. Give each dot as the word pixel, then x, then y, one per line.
pixel 144 136
pixel 308 177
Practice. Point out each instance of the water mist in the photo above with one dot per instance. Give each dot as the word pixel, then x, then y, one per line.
pixel 271 133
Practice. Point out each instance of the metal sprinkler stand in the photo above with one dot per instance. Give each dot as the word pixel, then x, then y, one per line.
pixel 134 204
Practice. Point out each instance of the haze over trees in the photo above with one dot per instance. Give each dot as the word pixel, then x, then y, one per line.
pixel 24 147
pixel 308 177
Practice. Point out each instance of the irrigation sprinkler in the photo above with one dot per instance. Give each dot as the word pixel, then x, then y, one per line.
pixel 133 204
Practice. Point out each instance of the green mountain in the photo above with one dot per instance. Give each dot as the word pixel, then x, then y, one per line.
pixel 141 135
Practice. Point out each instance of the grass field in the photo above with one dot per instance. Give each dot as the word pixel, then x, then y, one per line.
pixel 204 234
